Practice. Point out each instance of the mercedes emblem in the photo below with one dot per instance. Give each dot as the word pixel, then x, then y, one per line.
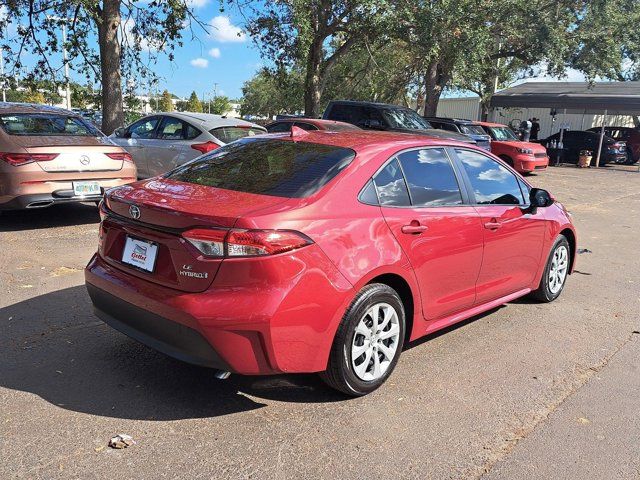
pixel 84 160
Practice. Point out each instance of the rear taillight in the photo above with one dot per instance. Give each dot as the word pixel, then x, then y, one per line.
pixel 124 156
pixel 18 159
pixel 245 243
pixel 205 147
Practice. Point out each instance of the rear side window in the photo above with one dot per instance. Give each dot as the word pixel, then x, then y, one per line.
pixel 192 132
pixel 268 167
pixel 171 129
pixel 305 126
pixel 430 177
pixel 391 187
pixel 491 182
pixel 279 127
pixel 231 134
pixel 46 124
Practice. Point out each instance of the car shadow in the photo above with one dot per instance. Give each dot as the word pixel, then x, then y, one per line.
pixel 50 217
pixel 55 348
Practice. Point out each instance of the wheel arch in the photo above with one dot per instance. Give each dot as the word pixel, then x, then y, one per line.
pixel 571 238
pixel 402 287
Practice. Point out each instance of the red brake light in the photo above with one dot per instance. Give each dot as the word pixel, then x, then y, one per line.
pixel 120 156
pixel 205 147
pixel 18 159
pixel 244 243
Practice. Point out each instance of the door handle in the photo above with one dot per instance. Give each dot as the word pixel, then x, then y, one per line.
pixel 414 228
pixel 493 224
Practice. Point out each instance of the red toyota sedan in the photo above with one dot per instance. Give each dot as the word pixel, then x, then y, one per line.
pixel 322 252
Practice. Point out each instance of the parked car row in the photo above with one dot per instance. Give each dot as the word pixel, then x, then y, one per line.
pixel 575 141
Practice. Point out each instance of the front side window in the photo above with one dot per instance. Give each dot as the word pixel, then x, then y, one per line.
pixel 430 177
pixel 46 124
pixel 143 128
pixel 267 166
pixel 492 183
pixel 391 187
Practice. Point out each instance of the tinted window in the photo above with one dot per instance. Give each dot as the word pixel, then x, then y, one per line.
pixel 267 166
pixel 279 127
pixel 171 129
pixel 192 132
pixel 305 126
pixel 231 134
pixel 346 113
pixel 46 124
pixel 491 182
pixel 430 177
pixel 368 194
pixel 390 185
pixel 143 128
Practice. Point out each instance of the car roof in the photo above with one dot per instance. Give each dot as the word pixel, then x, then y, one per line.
pixel 362 140
pixel 318 122
pixel 208 120
pixel 368 104
pixel 19 107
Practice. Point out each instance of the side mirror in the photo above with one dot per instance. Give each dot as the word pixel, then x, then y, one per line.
pixel 539 198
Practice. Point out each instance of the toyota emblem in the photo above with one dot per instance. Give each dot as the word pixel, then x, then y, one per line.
pixel 134 211
pixel 84 160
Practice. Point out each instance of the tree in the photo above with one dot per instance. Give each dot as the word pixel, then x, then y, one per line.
pixel 271 93
pixel 166 104
pixel 193 104
pixel 314 33
pixel 219 105
pixel 131 35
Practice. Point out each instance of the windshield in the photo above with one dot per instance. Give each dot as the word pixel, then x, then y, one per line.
pixel 46 124
pixel 472 130
pixel 502 133
pixel 404 118
pixel 231 134
pixel 267 166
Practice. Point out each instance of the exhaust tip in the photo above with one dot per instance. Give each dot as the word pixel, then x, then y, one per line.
pixel 221 374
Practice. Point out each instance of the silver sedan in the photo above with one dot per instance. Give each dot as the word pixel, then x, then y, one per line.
pixel 162 141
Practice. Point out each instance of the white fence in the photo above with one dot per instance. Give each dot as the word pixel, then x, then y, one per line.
pixel 470 108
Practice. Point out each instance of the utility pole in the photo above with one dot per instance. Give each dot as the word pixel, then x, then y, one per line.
pixel 4 92
pixel 64 21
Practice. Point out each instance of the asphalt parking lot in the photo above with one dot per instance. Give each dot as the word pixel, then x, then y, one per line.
pixel 525 391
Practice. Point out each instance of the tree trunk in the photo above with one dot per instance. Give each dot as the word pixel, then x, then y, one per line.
pixel 112 111
pixel 434 82
pixel 313 80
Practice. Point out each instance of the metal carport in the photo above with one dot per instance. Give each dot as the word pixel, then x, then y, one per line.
pixel 606 98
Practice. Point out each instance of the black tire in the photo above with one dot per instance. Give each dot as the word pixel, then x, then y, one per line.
pixel 543 292
pixel 340 373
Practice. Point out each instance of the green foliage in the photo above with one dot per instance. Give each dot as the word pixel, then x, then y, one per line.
pixel 26 96
pixel 165 104
pixel 271 93
pixel 193 104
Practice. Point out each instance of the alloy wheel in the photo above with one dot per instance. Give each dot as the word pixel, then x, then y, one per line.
pixel 558 270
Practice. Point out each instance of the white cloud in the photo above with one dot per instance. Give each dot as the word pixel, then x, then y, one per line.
pixel 197 3
pixel 494 174
pixel 214 52
pixel 130 38
pixel 199 63
pixel 223 30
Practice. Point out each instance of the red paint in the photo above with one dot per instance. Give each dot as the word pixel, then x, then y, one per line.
pixel 279 312
pixel 509 150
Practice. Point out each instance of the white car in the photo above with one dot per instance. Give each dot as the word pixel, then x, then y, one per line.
pixel 162 141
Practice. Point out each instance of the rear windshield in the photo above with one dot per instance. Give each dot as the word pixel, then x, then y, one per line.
pixel 267 166
pixel 472 130
pixel 231 134
pixel 46 124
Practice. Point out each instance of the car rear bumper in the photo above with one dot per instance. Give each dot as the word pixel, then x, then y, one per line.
pixel 280 324
pixel 46 200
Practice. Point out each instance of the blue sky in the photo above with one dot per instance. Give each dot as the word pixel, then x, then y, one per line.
pixel 224 55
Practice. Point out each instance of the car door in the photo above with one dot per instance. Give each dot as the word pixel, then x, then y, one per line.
pixel 166 150
pixel 135 139
pixel 422 202
pixel 513 236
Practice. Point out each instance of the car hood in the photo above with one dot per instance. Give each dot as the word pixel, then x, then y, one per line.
pixel 535 147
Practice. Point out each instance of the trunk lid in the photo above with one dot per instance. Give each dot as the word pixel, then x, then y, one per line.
pixel 164 210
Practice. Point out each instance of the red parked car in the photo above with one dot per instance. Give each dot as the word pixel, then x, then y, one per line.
pixel 322 252
pixel 525 157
